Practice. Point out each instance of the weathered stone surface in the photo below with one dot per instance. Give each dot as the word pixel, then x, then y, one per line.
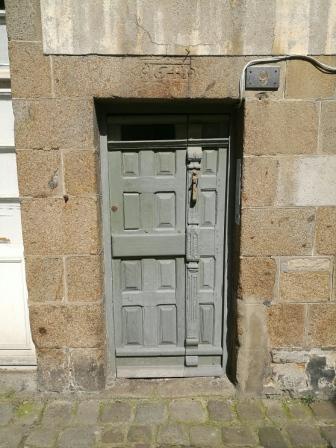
pixel 23 20
pixel 87 369
pixel 328 127
pixel 80 437
pixel 306 181
pixel 42 226
pixel 250 410
pixel 208 29
pixel 87 412
pixel 324 410
pixel 186 387
pixel 289 231
pixel 305 286
pixel 43 437
pixel 271 437
pixel 288 127
pixel 54 123
pixel 326 230
pixel 321 327
pixel 173 434
pixel 305 81
pixel 151 412
pixel 185 410
pixel 159 77
pixel 84 278
pixel 57 413
pixel 11 436
pixel 80 172
pixel 305 264
pixel 239 436
pixel 113 435
pixel 39 173
pixel 6 413
pixel 290 378
pixel 259 181
pixel 329 433
pixel 302 436
pixel 298 410
pixel 220 410
pixel 256 278
pixel 30 70
pixel 275 410
pixel 66 326
pixel 44 279
pixel 28 412
pixel 53 226
pixel 286 356
pixel 205 436
pixel 53 370
pixel 116 412
pixel 139 434
pixel 286 325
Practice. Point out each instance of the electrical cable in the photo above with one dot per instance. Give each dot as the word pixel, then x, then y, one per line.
pixel 324 68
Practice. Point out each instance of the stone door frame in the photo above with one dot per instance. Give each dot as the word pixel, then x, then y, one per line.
pixel 104 109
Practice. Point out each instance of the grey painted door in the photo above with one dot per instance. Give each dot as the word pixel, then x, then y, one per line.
pixel 167 231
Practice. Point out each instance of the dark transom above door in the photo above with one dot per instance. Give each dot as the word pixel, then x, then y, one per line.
pixel 167 177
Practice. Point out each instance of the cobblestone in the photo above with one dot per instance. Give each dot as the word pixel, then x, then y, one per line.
pixel 105 421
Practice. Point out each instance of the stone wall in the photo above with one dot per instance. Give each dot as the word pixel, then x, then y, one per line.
pixel 286 307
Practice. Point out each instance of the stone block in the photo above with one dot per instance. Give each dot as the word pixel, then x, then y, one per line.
pixel 80 172
pixel 39 173
pixel 329 433
pixel 321 327
pixel 87 412
pixel 259 181
pixel 42 226
pixel 81 228
pixel 66 326
pixel 305 286
pixel 238 436
pixel 328 127
pixel 84 278
pixel 324 410
pixel 151 412
pixel 44 279
pixel 54 123
pixel 205 436
pixel 305 264
pixel 185 387
pixel 99 76
pixel 87 369
pixel 53 370
pixel 57 413
pixel 139 434
pixel 6 413
pixel 307 181
pixel 250 410
pixel 289 231
pixel 113 435
pixel 30 70
pixel 220 410
pixel 256 278
pixel 173 434
pixel 11 436
pixel 275 410
pixel 305 81
pixel 116 412
pixel 23 20
pixel 326 230
pixel 79 437
pixel 28 411
pixel 290 378
pixel 42 437
pixel 271 437
pixel 286 325
pixel 284 127
pixel 186 410
pixel 298 410
pixel 302 436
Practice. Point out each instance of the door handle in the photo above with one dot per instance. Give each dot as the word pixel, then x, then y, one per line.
pixel 194 186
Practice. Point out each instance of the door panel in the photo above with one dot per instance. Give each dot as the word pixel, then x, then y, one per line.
pixel 167 254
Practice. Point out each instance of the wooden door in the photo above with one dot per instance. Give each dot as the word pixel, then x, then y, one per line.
pixel 167 210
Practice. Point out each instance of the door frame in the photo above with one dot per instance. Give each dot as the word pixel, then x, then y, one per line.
pixel 103 110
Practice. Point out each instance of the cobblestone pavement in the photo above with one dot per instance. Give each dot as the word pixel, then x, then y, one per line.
pixel 45 421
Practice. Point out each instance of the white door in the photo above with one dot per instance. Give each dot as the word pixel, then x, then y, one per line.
pixel 16 347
